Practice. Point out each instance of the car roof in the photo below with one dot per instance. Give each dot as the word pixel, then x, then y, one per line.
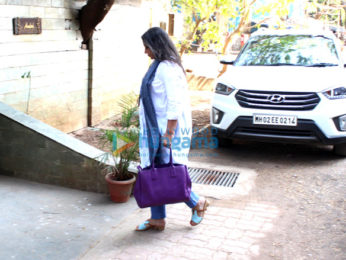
pixel 325 33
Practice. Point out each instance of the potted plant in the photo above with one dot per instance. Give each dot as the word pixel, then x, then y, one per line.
pixel 124 140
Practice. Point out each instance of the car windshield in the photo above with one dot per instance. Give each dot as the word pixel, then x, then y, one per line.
pixel 289 50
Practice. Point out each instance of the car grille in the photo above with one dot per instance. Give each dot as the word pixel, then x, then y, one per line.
pixel 277 100
pixel 277 133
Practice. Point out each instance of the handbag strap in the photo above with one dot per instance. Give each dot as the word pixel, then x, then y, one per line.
pixel 170 169
pixel 139 168
pixel 170 158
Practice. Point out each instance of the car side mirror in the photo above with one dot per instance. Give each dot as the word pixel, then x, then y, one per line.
pixel 227 62
pixel 345 65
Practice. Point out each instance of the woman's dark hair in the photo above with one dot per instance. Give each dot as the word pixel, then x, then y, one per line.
pixel 162 47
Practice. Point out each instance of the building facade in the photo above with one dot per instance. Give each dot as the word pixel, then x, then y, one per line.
pixel 51 78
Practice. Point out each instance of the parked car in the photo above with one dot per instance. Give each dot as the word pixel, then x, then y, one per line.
pixel 284 86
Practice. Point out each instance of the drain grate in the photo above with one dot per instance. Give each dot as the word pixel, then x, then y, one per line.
pixel 210 177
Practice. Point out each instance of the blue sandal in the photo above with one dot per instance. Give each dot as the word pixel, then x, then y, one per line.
pixel 146 226
pixel 196 219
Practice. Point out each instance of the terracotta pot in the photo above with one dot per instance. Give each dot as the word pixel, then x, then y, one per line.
pixel 120 191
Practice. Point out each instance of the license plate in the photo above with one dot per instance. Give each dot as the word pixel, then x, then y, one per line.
pixel 274 120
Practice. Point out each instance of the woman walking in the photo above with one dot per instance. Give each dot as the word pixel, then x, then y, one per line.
pixel 165 116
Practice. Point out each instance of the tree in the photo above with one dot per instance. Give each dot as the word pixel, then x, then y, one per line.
pixel 329 11
pixel 200 20
pixel 212 22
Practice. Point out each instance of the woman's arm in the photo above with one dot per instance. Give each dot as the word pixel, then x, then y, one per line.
pixel 174 86
pixel 167 137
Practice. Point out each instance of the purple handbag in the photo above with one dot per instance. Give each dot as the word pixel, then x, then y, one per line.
pixel 162 184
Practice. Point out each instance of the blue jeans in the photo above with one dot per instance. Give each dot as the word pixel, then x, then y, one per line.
pixel 159 212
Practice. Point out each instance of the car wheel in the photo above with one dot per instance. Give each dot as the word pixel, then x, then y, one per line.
pixel 340 149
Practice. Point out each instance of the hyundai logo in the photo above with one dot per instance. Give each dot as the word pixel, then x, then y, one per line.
pixel 276 98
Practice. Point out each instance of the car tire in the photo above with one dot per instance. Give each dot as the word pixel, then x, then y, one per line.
pixel 340 149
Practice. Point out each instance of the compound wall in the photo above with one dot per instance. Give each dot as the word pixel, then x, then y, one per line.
pixel 47 75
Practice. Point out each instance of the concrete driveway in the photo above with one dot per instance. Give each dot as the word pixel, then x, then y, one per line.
pixel 306 184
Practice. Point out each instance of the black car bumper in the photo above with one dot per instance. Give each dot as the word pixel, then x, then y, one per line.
pixel 306 131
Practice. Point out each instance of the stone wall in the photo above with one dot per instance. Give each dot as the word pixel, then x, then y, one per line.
pixel 35 151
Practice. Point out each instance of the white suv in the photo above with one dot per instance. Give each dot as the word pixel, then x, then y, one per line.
pixel 284 86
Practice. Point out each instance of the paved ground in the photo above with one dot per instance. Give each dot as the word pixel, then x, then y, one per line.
pixel 39 221
pixel 288 203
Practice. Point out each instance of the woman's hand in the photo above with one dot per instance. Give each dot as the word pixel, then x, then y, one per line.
pixel 167 139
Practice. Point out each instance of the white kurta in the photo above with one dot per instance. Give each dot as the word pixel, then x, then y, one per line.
pixel 170 96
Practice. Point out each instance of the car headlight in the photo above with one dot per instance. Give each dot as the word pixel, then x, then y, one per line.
pixel 223 89
pixel 335 93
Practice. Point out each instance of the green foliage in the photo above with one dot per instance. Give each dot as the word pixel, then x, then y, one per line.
pixel 211 37
pixel 200 18
pixel 26 75
pixel 117 162
pixel 128 104
pixel 331 11
pixel 208 21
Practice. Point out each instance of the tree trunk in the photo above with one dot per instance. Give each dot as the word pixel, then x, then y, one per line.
pixel 186 45
pixel 237 30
